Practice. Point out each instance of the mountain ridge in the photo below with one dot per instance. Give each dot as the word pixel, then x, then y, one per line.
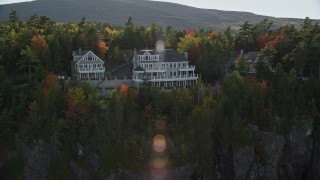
pixel 143 12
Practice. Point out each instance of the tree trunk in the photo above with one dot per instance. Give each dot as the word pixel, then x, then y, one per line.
pixel 29 63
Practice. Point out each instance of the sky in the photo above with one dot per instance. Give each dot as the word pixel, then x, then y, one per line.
pixel 275 8
pixel 12 1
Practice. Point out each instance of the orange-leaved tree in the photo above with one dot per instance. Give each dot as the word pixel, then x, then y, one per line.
pixel 51 82
pixel 38 44
pixel 101 47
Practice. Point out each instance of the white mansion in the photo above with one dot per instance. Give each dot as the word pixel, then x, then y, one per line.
pixel 86 65
pixel 162 69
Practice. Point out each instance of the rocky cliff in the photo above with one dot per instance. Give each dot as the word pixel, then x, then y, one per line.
pixel 291 156
pixel 294 154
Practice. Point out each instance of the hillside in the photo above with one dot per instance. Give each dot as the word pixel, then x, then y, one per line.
pixel 143 12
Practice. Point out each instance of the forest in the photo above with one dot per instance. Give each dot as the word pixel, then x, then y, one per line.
pixel 200 125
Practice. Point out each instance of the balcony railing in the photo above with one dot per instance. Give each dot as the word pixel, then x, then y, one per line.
pixel 91 69
pixel 187 67
pixel 170 78
pixel 148 58
pixel 181 68
pixel 156 69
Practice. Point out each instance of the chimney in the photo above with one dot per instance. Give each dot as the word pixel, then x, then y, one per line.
pixel 134 52
pixel 186 55
pixel 134 58
pixel 241 52
pixel 79 51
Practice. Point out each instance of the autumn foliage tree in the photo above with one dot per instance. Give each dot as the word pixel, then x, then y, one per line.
pixel 187 42
pixel 75 95
pixel 276 40
pixel 52 81
pixel 101 48
pixel 78 116
pixel 263 39
pixel 38 44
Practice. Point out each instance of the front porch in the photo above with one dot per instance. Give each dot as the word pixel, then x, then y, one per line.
pixel 91 76
pixel 167 81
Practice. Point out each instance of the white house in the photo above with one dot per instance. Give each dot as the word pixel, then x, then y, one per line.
pixel 251 59
pixel 162 69
pixel 86 65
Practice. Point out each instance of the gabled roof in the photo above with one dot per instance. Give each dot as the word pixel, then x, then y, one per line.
pixel 90 58
pixel 171 55
pixel 253 55
pixel 79 53
pixel 167 55
pixel 139 68
pixel 127 55
pixel 142 52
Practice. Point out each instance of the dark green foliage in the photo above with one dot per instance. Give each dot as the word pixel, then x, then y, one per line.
pixel 13 168
pixel 199 123
pixel 317 128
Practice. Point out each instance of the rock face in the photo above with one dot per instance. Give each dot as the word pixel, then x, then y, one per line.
pixel 243 160
pixel 314 170
pixel 94 161
pixel 78 173
pixel 277 157
pixel 36 161
pixel 185 172
pixel 271 146
pixel 294 154
pixel 297 151
pixel 5 157
pixel 262 160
